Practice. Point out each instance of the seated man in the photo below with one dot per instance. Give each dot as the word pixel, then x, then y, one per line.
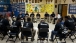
pixel 32 15
pixel 69 23
pixel 57 16
pixel 29 24
pixel 26 16
pixel 17 25
pixel 52 16
pixel 38 16
pixel 56 29
pixel 43 25
pixel 46 17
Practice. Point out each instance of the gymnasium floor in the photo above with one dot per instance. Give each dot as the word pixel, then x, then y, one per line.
pixel 35 27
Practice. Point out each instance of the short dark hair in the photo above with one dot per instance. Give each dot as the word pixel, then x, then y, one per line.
pixel 28 19
pixel 66 17
pixel 18 18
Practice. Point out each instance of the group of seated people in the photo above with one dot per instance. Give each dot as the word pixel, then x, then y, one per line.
pixel 47 17
pixel 68 22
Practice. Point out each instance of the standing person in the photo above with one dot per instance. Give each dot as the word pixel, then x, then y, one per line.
pixel 52 16
pixel 58 16
pixel 38 16
pixel 26 16
pixel 32 15
pixel 46 17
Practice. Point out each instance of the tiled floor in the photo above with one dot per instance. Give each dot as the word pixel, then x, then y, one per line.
pixel 35 27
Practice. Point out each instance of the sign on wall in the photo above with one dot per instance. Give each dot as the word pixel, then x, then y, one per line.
pixel 18 7
pixel 40 8
pixel 72 8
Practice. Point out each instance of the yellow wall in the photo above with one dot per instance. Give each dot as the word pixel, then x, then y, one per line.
pixel 43 2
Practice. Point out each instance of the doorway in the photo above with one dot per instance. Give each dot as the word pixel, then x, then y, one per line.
pixel 62 9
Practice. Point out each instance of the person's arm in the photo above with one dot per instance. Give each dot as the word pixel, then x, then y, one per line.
pixel 65 23
pixel 19 24
pixel 30 15
pixel 34 15
pixel 39 15
pixel 38 28
pixel 44 15
pixel 32 26
pixel 56 28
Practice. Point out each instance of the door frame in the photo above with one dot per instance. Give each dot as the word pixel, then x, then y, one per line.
pixel 61 8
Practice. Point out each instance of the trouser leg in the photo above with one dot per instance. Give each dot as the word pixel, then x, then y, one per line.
pixel 33 34
pixel 52 35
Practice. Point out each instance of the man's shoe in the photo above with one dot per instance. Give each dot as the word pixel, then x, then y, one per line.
pixel 53 23
pixel 32 40
pixel 52 40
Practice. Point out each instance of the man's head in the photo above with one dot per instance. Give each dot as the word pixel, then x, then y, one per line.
pixel 26 12
pixel 1 16
pixel 18 19
pixel 66 17
pixel 52 12
pixel 46 12
pixel 20 12
pixel 42 20
pixel 28 19
pixel 72 16
pixel 32 12
pixel 37 12
pixel 69 16
pixel 59 20
pixel 14 18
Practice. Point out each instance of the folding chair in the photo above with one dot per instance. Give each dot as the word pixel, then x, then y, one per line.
pixel 14 32
pixel 26 32
pixel 61 35
pixel 43 33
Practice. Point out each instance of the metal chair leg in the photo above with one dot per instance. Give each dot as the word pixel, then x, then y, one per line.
pixel 7 39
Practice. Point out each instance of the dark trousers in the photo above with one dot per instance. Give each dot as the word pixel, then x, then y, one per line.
pixel 55 20
pixel 53 34
pixel 27 34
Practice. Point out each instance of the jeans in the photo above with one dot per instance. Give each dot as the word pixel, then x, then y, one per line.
pixel 52 34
